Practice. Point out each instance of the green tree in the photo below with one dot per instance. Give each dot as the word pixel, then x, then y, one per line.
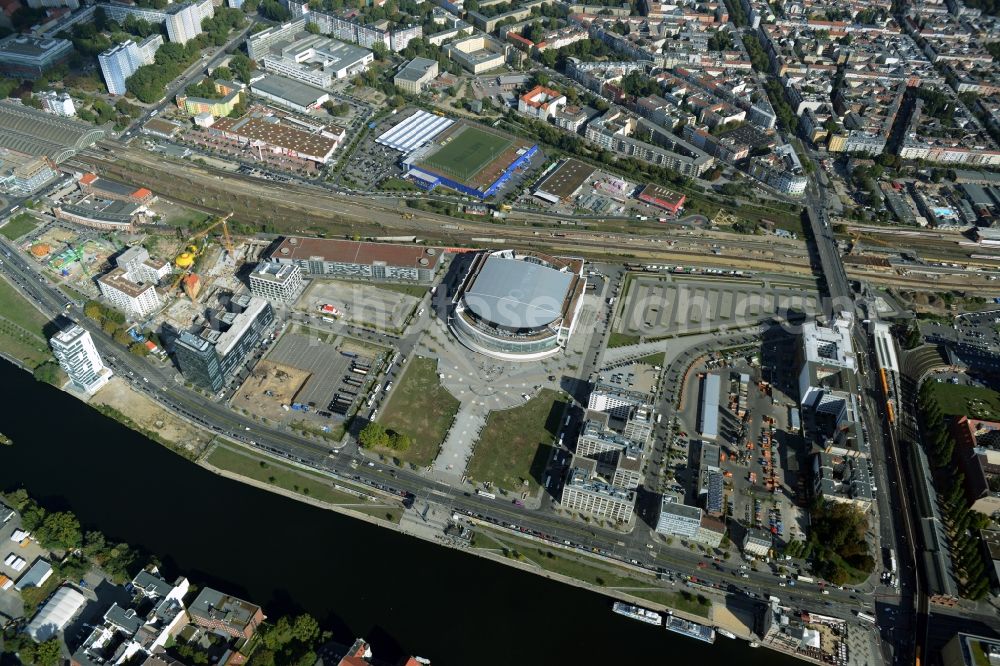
pixel 222 72
pixel 312 27
pixel 48 372
pixel 305 628
pixel 373 435
pixel 60 530
pixel 242 66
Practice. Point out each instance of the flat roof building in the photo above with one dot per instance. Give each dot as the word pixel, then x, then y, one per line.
pixel 134 298
pixel 277 282
pixel 668 200
pixel 415 131
pixel 292 94
pixel 22 174
pixel 266 133
pixel 28 57
pixel 293 51
pixel 212 356
pixel 757 542
pixel 222 612
pixel 359 260
pixel 708 410
pixel 477 53
pixel 518 306
pixel 565 181
pixel 77 355
pixel 677 519
pixel 843 479
pixel 588 494
pixel 414 77
pixel 55 614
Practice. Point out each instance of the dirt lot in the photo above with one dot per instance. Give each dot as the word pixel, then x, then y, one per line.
pixel 283 381
pixel 147 414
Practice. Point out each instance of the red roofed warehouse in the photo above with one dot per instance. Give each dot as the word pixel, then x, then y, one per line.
pixel 541 102
pixel 668 200
pixel 109 189
pixel 367 261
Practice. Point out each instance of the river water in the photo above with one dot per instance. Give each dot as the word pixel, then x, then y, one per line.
pixel 402 594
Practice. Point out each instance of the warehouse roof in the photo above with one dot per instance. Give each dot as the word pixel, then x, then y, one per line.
pixel 415 69
pixel 35 132
pixel 296 92
pixel 267 129
pixel 518 294
pixel 351 252
pixel 55 614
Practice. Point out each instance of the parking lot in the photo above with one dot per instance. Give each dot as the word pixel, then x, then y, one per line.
pixel 658 306
pixel 360 303
pixel 371 164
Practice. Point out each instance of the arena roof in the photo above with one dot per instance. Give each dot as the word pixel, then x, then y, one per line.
pixel 35 132
pixel 518 294
pixel 414 132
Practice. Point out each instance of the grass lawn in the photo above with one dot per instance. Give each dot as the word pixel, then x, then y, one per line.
pixel 557 561
pixel 280 475
pixel 972 401
pixel 467 153
pixel 18 226
pixel 421 408
pixel 515 443
pixel 185 217
pixel 653 359
pixel 22 333
pixel 416 290
pixel 674 600
pixel 617 339
pixel 398 185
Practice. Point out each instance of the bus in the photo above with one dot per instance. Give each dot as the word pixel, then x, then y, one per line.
pixel 483 493
pixel 866 617
pixel 804 579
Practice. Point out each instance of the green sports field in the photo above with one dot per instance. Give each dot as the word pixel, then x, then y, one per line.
pixel 467 153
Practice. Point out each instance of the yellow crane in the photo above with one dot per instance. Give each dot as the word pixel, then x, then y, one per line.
pixel 188 262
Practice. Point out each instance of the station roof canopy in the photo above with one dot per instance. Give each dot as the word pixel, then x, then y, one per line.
pixel 518 294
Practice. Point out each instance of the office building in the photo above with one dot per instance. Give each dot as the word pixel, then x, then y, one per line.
pixel 677 519
pixel 756 542
pixel 184 21
pixel 27 57
pixel 588 494
pixel 211 356
pixel 971 650
pixel 827 359
pixel 120 61
pixel 414 77
pixel 22 174
pixel 380 262
pixel 78 357
pixel 277 282
pixel 58 104
pixel 292 51
pixel 478 53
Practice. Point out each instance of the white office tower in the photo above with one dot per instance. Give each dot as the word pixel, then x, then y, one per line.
pixel 117 64
pixel 78 357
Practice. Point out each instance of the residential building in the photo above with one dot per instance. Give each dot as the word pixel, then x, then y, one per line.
pixel 135 261
pixel 348 29
pixel 184 21
pixel 588 494
pixel 541 102
pixel 570 118
pixel 78 357
pixel 415 75
pixel 59 104
pixel 120 61
pixel 618 132
pixel 366 261
pixel 209 357
pixel 277 282
pixel 232 96
pixel 139 629
pixel 756 543
pixel 221 612
pixel 135 298
pixel 843 479
pixel 28 57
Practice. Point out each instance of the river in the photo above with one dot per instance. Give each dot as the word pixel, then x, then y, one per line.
pixel 402 594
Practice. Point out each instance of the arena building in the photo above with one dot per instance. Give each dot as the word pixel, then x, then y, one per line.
pixel 518 306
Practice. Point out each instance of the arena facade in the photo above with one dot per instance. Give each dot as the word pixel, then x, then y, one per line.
pixel 518 306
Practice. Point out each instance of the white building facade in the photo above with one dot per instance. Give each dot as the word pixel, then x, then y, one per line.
pixel 79 359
